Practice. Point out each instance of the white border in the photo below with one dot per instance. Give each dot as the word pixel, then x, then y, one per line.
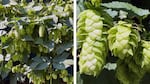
pixel 74 41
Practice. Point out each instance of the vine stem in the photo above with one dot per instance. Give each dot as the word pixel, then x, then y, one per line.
pixel 51 80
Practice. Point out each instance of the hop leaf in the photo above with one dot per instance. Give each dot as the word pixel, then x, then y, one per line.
pixel 127 6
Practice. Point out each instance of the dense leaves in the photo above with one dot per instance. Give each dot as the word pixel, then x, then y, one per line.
pixel 36 39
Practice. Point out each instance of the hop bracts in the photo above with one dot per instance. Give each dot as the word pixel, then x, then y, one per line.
pixel 94 43
pixel 122 72
pixel 134 67
pixel 89 20
pixel 96 3
pixel 144 57
pixel 128 72
pixel 123 39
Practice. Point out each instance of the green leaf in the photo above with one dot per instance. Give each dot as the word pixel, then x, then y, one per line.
pixel 39 41
pixel 4 2
pixel 53 17
pixel 9 64
pixel 5 42
pixel 107 18
pixel 16 57
pixel 27 38
pixel 37 59
pixel 122 14
pixel 37 8
pixel 3 24
pixel 61 57
pixel 68 62
pixel 127 6
pixel 96 3
pixel 80 6
pixel 41 66
pixel 61 48
pixel 49 45
pixel 39 63
pixel 111 12
pixel 57 65
pixel 34 64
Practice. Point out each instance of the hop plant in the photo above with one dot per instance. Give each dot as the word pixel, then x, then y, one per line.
pixel 128 72
pixel 123 39
pixel 94 44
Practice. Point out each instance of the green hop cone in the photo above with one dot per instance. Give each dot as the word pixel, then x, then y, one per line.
pixel 129 73
pixel 134 67
pixel 41 30
pixel 121 72
pixel 145 55
pixel 89 20
pixel 94 43
pixel 123 40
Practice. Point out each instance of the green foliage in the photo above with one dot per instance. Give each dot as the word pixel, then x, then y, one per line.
pixel 96 3
pixel 127 6
pixel 38 40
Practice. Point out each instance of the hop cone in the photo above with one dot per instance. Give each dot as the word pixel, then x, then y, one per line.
pixel 94 47
pixel 146 55
pixel 123 40
pixel 128 72
pixel 122 73
pixel 134 67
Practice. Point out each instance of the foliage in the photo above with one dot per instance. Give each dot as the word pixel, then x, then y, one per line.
pixel 36 40
pixel 127 6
